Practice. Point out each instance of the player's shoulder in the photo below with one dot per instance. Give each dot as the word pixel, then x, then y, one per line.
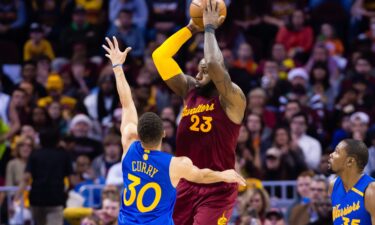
pixel 371 188
pixel 369 197
pixel 182 160
pixel 180 164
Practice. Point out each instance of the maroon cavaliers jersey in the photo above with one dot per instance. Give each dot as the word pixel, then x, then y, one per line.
pixel 205 134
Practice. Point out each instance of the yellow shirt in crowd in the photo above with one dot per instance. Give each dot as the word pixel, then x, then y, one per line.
pixel 43 48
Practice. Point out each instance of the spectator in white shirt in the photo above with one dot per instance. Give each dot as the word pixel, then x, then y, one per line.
pixel 311 147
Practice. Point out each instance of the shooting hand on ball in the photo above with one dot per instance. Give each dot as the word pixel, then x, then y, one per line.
pixel 211 14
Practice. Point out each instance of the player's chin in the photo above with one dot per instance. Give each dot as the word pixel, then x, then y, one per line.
pixel 330 168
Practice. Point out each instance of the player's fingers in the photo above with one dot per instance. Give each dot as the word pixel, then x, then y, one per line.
pixel 115 41
pixel 106 48
pixel 109 43
pixel 243 181
pixel 107 55
pixel 216 6
pixel 241 178
pixel 205 5
pixel 127 50
pixel 221 19
pixel 210 5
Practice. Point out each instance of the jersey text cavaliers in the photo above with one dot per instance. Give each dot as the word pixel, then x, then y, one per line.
pixel 199 109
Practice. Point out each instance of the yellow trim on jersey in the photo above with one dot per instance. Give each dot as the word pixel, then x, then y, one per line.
pixel 357 191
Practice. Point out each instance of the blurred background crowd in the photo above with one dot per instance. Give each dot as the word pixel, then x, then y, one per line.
pixel 307 68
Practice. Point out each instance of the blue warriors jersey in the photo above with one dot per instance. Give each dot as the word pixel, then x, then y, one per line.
pixel 349 207
pixel 149 196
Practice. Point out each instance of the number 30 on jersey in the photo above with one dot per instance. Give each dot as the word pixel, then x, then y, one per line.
pixel 139 196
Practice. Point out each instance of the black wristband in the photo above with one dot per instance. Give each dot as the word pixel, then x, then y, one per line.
pixel 209 28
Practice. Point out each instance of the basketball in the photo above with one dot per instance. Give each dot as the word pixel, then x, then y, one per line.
pixel 196 10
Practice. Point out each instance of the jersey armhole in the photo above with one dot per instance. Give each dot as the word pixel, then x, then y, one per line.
pixel 364 192
pixel 169 173
pixel 126 153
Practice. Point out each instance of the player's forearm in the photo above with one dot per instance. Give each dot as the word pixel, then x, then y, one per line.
pixel 208 176
pixel 163 56
pixel 212 53
pixel 171 46
pixel 215 64
pixel 124 92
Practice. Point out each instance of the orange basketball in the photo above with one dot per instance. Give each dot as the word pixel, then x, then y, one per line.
pixel 196 10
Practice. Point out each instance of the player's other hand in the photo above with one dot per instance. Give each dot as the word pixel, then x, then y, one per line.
pixel 211 13
pixel 113 51
pixel 231 176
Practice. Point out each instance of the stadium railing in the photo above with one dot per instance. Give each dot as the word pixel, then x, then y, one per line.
pixel 282 193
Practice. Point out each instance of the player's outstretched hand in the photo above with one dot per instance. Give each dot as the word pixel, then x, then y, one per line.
pixel 113 51
pixel 231 176
pixel 211 13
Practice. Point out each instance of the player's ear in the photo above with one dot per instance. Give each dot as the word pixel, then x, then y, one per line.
pixel 350 161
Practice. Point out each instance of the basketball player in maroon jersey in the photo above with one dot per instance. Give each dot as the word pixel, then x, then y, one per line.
pixel 213 111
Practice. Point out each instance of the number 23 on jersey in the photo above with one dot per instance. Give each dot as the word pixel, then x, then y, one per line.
pixel 203 123
pixel 138 197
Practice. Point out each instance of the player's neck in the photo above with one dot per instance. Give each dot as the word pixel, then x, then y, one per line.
pixel 350 178
pixel 152 147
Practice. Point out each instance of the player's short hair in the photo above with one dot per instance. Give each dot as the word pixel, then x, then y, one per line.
pixel 150 129
pixel 358 150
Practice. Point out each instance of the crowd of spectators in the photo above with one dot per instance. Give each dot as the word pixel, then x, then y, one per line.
pixel 307 68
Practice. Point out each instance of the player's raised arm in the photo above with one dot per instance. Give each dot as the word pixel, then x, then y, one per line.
pixel 129 119
pixel 167 67
pixel 182 167
pixel 232 98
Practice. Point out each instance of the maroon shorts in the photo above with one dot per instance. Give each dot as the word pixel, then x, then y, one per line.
pixel 204 204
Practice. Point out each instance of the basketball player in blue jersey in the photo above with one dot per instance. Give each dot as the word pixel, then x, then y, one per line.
pixel 353 192
pixel 151 176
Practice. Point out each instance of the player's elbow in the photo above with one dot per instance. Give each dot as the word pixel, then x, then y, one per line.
pixel 211 61
pixel 159 53
pixel 156 54
pixel 213 64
